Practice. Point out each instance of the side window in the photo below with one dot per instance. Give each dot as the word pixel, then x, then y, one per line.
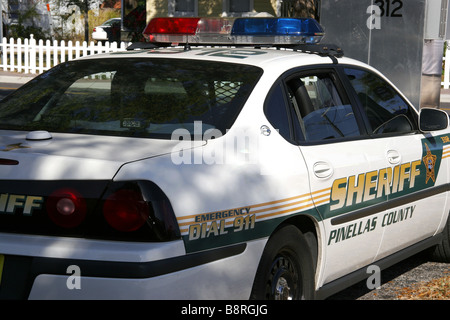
pixel 386 110
pixel 183 8
pixel 324 113
pixel 280 115
pixel 237 8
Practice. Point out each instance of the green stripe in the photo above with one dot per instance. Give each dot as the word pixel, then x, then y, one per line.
pixel 399 201
pixel 261 229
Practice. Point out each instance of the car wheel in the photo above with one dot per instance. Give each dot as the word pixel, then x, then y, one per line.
pixel 286 269
pixel 441 252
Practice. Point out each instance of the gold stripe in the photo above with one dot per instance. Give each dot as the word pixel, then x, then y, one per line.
pixel 263 204
pixel 299 205
pixel 446 152
pixel 253 206
pixel 2 262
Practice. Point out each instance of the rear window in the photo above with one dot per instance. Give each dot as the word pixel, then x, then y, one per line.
pixel 148 98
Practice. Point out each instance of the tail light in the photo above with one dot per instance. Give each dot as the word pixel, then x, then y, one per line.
pixel 140 207
pixel 126 210
pixel 66 208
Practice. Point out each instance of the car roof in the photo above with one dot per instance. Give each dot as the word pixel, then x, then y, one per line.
pixel 261 57
pixel 112 19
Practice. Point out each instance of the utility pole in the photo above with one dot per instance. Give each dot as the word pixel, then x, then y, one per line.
pixel 1 28
pixel 1 21
pixel 50 20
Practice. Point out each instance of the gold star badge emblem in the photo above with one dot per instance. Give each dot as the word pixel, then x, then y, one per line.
pixel 429 160
pixel 10 147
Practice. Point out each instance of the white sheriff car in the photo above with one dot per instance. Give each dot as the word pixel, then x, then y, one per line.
pixel 225 171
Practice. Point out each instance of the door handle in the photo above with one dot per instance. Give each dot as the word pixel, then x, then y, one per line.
pixel 322 170
pixel 394 157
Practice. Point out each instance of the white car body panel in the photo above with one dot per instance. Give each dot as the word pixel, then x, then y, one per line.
pixel 210 183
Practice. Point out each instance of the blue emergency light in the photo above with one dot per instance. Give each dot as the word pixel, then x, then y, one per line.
pixel 229 31
pixel 276 26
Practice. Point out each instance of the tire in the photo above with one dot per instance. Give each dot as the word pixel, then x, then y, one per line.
pixel 285 271
pixel 441 253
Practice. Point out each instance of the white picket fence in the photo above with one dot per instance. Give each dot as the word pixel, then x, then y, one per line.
pixel 36 56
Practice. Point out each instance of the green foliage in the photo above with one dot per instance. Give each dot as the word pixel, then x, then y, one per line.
pixel 24 32
pixel 26 27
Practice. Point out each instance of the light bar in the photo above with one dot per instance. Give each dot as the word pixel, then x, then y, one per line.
pixel 251 31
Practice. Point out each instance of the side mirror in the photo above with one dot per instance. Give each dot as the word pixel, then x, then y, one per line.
pixel 432 119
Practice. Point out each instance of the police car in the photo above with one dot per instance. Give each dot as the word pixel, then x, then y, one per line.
pixel 229 159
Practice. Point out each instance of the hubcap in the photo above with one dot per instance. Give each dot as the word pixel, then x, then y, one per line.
pixel 282 290
pixel 284 279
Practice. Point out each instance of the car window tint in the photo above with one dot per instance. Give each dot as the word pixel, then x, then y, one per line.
pixel 386 110
pixel 280 114
pixel 131 97
pixel 323 113
pixel 276 111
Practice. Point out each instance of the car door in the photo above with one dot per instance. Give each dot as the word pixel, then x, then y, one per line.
pixel 416 175
pixel 342 167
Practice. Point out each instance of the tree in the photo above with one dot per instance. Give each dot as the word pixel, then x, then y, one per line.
pixel 84 6
pixel 300 8
pixel 26 24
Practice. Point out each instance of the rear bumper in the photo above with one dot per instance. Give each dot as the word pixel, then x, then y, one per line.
pixel 223 273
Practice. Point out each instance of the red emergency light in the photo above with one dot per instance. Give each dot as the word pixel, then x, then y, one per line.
pixel 172 26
